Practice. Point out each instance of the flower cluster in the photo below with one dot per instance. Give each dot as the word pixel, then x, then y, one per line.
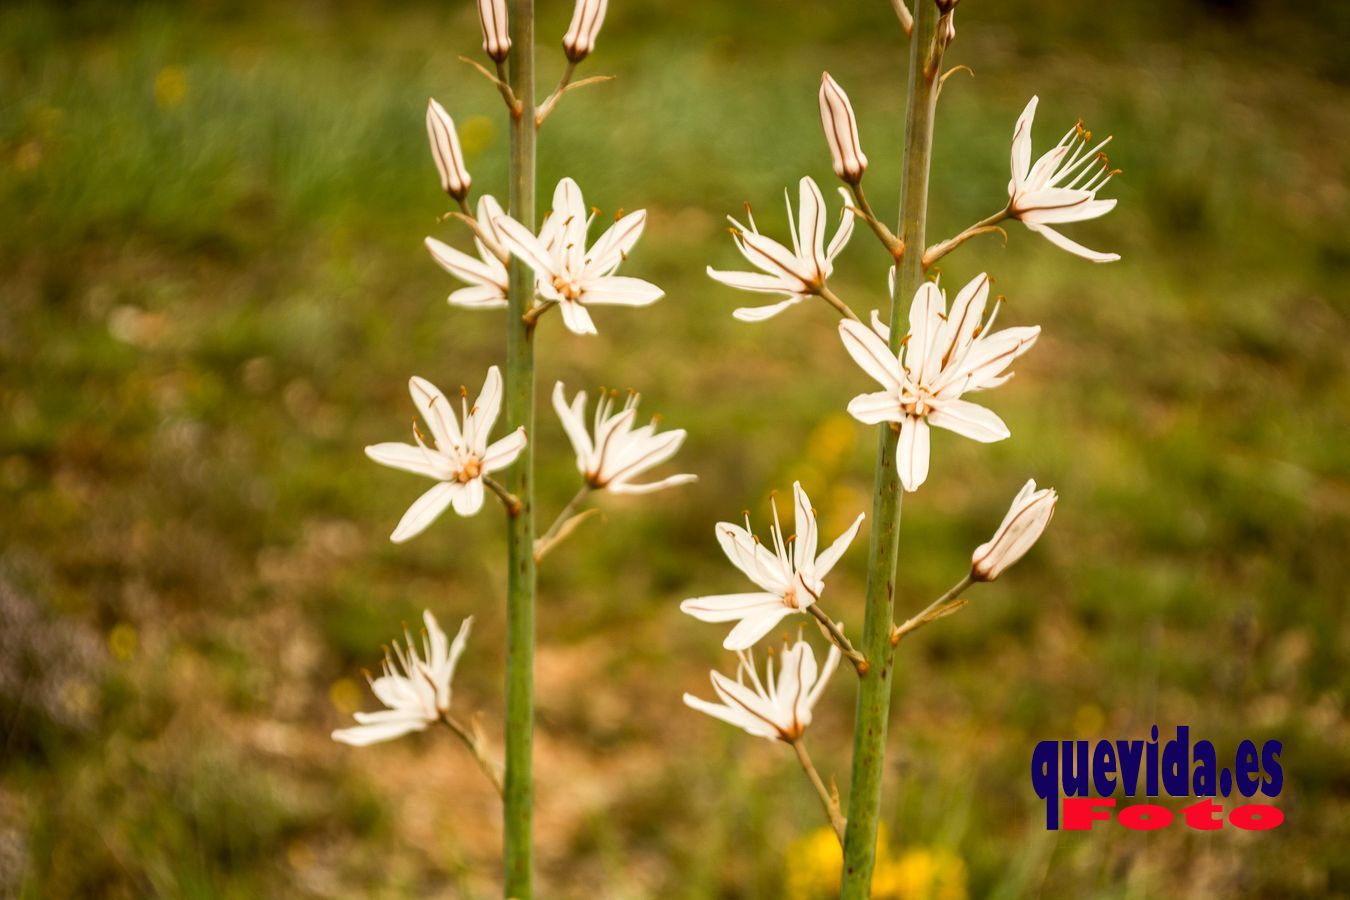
pixel 455 447
pixel 928 369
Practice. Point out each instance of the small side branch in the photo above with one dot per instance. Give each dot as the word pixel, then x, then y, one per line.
pixel 512 102
pixel 565 84
pixel 828 799
pixel 476 741
pixel 509 500
pixel 984 226
pixel 468 218
pixel 894 246
pixel 831 630
pixel 567 522
pixel 831 298
pixel 531 317
pixel 943 606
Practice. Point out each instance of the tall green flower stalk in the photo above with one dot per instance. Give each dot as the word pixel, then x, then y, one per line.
pixel 924 358
pixel 527 273
pixel 874 687
pixel 521 585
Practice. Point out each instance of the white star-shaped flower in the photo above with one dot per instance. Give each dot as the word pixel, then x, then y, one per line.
pixel 1061 187
pixel 457 460
pixel 798 272
pixel 778 708
pixel 614 453
pixel 944 356
pixel 790 578
pixel 569 274
pixel 486 276
pixel 415 687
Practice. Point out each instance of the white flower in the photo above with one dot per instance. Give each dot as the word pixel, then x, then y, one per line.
pixel 587 17
pixel 799 272
pixel 486 276
pixel 445 150
pixel 841 131
pixel 569 274
pixel 457 460
pixel 496 29
pixel 944 356
pixel 1024 524
pixel 791 578
pixel 618 452
pixel 779 711
pixel 1062 185
pixel 415 688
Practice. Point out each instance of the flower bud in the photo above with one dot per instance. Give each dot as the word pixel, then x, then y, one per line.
pixel 445 150
pixel 1021 528
pixel 841 131
pixel 587 18
pixel 496 37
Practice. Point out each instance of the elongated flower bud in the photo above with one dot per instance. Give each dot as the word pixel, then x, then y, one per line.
pixel 496 36
pixel 445 150
pixel 1021 528
pixel 587 18
pixel 841 131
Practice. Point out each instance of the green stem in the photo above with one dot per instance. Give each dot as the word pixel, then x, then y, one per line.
pixel 874 687
pixel 520 588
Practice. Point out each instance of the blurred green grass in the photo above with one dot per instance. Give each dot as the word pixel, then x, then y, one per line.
pixel 214 295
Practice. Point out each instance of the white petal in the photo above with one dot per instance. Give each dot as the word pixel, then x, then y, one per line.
pixel 575 317
pixel 570 210
pixel 826 561
pixel 875 408
pixel 750 629
pixel 737 717
pixel 365 735
pixel 478 423
pixel 469 500
pixel 755 281
pixel 482 296
pixel 966 315
pixel 969 420
pixel 639 455
pixel 425 510
pixel 823 679
pixel 408 458
pixel 650 487
pixel 1073 247
pixel 925 325
pixel 804 547
pixel 574 423
pixel 614 245
pixel 462 265
pixel 871 353
pixel 911 455
pixel 762 313
pixel 811 224
pixel 504 451
pixel 751 557
pixel 620 290
pixel 844 231
pixel 730 607
pixel 436 412
pixel 767 254
pixel 517 239
pixel 1021 142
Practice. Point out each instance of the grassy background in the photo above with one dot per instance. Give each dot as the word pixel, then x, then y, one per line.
pixel 213 293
